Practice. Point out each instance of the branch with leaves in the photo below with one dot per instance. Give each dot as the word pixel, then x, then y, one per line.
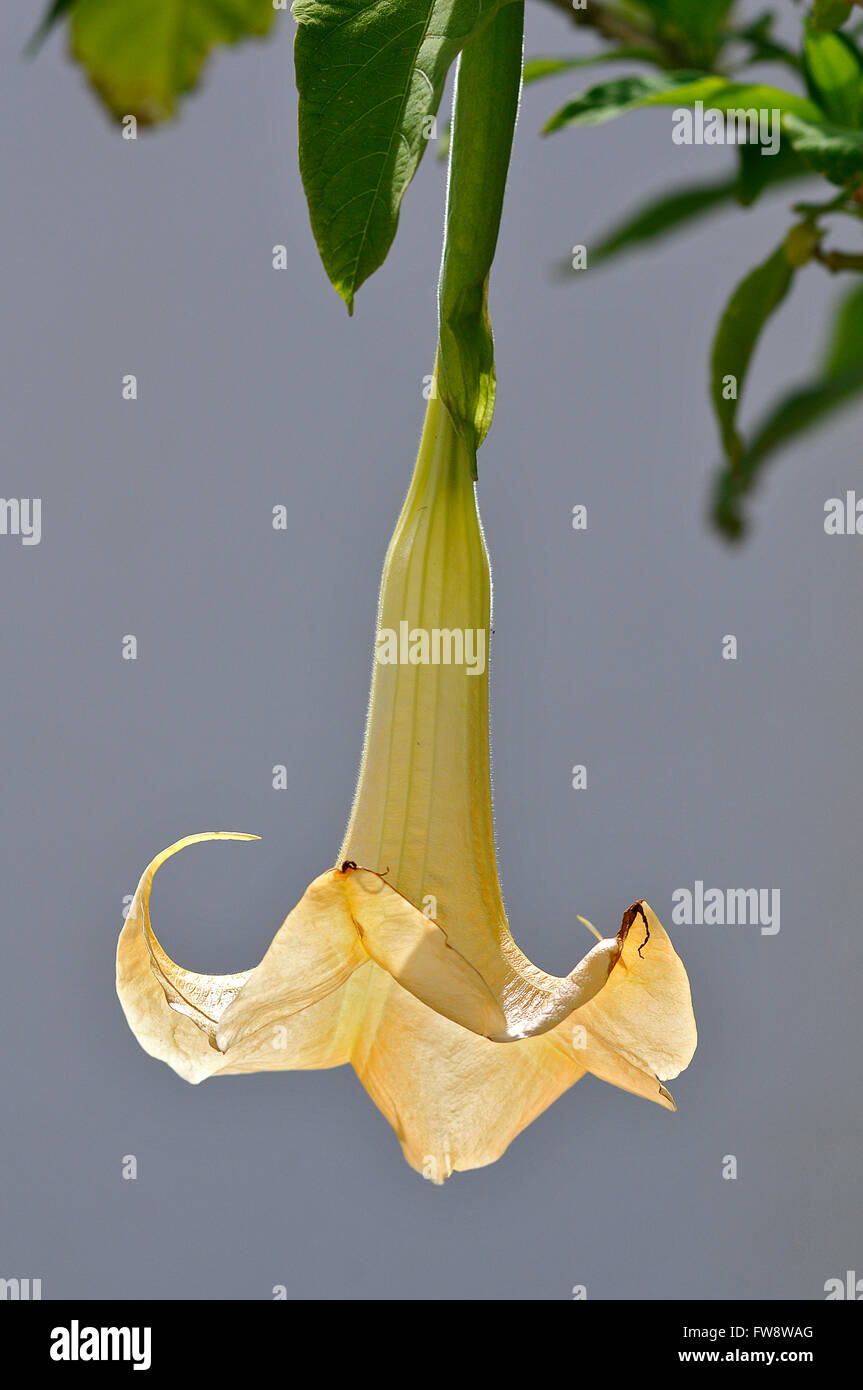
pixel 387 64
pixel 820 136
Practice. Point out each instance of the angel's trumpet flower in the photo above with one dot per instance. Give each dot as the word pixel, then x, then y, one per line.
pixel 400 960
pixel 405 966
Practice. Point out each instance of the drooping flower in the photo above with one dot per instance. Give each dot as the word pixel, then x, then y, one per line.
pixel 400 960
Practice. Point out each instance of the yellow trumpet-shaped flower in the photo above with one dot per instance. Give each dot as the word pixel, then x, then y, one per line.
pixel 400 960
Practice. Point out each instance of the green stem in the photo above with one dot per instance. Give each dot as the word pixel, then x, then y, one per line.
pixel 487 93
pixel 839 260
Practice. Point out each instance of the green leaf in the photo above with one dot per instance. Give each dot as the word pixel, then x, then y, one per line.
pixel 698 20
pixel 764 46
pixel 831 150
pixel 758 173
pixel 830 14
pixel 660 216
pixel 834 75
pixel 370 75
pixel 695 25
pixel 142 56
pixel 611 99
pixel 679 89
pixel 673 211
pixel 748 310
pixel 537 68
pixel 838 384
pixel 54 13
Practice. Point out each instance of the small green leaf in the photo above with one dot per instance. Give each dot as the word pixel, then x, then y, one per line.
pixel 838 384
pixel 748 310
pixel 672 211
pixel 845 349
pixel 678 89
pixel 537 68
pixel 695 25
pixel 661 216
pixel 758 173
pixel 764 46
pixel 701 18
pixel 611 99
pixel 830 14
pixel 370 75
pixel 142 56
pixel 831 150
pixel 834 75
pixel 54 13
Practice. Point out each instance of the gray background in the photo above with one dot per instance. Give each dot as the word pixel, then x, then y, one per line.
pixel 254 649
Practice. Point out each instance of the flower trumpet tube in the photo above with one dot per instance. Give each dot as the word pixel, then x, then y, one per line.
pixel 423 803
pixel 399 960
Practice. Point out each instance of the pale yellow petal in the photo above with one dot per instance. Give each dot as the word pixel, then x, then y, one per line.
pixel 414 950
pixel 314 952
pixel 344 918
pixel 455 1100
pixel 319 1036
pixel 419 954
pixel 606 1064
pixel 190 1020
pixel 172 1012
pixel 644 1013
pixel 640 1029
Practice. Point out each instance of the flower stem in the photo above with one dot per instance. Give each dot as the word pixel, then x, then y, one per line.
pixel 488 86
pixel 839 260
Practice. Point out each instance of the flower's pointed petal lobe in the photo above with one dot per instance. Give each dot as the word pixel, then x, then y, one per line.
pixel 644 1014
pixel 172 1012
pixel 606 1064
pixel 188 1019
pixel 455 1100
pixel 413 949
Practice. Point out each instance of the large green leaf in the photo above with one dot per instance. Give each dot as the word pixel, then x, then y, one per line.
pixel 750 306
pixel 838 384
pixel 142 56
pixel 610 99
pixel 832 150
pixel 834 75
pixel 370 75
